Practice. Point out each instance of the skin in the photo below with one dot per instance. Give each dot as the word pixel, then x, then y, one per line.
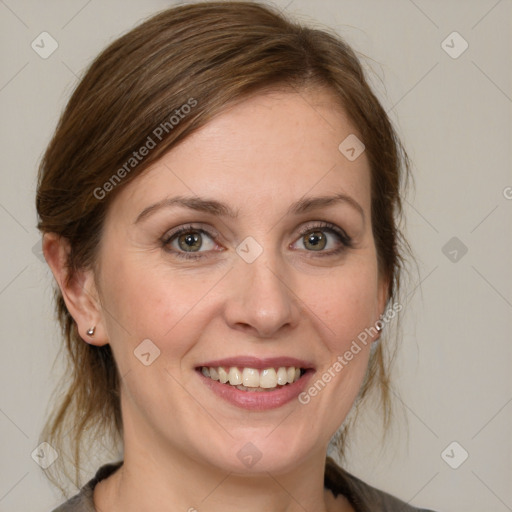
pixel 181 441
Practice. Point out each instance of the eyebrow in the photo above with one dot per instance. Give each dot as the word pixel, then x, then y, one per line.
pixel 211 206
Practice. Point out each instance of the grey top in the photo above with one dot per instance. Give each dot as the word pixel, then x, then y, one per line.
pixel 361 496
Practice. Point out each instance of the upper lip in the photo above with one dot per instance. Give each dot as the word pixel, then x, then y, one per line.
pixel 258 363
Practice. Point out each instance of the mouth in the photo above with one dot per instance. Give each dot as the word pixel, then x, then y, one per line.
pixel 252 379
pixel 256 384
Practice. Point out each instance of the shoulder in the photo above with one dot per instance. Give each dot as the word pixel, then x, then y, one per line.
pixel 83 501
pixel 363 497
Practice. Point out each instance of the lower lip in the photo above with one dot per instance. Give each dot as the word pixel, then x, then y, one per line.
pixel 257 400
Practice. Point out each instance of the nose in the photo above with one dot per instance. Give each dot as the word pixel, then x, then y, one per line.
pixel 261 301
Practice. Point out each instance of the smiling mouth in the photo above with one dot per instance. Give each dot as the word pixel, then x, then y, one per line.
pixel 252 379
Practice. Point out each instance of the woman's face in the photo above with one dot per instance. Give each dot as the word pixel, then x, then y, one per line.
pixel 248 248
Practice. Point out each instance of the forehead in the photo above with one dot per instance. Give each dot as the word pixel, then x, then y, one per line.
pixel 271 148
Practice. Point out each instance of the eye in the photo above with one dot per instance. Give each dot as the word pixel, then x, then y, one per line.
pixel 187 240
pixel 324 238
pixel 315 240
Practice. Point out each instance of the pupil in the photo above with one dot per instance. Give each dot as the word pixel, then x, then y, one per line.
pixel 190 241
pixel 316 240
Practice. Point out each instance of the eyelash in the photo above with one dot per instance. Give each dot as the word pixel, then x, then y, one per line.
pixel 168 238
pixel 346 241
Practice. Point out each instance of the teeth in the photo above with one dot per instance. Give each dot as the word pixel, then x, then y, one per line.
pixel 268 378
pixel 234 376
pixel 282 376
pixel 223 375
pixel 251 378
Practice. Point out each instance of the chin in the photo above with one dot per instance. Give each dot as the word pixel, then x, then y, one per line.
pixel 260 452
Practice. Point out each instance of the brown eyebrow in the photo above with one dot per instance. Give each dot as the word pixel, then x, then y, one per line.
pixel 193 203
pixel 214 207
pixel 307 204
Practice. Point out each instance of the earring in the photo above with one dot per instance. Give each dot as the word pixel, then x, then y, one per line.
pixel 91 331
pixel 378 327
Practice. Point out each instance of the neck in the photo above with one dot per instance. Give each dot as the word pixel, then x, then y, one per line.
pixel 152 478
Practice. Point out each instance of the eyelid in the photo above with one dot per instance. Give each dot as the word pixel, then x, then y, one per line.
pixel 209 231
pixel 344 239
pixel 170 235
pixel 327 226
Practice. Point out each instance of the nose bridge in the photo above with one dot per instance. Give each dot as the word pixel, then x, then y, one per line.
pixel 262 300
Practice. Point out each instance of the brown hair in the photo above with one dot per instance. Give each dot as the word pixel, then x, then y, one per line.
pixel 205 55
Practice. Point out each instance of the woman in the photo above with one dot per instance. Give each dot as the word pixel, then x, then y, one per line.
pixel 219 207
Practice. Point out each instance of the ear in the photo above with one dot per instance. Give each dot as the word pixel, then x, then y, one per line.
pixel 79 291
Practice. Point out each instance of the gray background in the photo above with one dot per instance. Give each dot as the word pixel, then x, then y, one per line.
pixel 454 115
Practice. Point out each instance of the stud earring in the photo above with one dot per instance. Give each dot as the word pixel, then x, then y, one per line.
pixel 91 331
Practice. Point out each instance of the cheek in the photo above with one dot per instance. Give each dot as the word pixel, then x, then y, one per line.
pixel 148 301
pixel 345 307
pixel 345 302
